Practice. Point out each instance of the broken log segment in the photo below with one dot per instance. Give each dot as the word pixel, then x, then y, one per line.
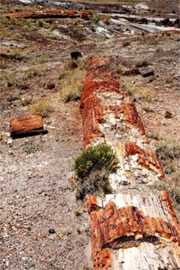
pixel 27 125
pixel 133 226
pixel 49 13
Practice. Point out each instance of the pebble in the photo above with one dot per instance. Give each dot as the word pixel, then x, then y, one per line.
pixel 51 231
pixel 168 114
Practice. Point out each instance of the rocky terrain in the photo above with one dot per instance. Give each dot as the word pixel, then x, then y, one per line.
pixel 42 225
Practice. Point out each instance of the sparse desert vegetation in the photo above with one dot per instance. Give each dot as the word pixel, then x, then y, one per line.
pixel 42 107
pixel 139 92
pixel 92 168
pixel 72 81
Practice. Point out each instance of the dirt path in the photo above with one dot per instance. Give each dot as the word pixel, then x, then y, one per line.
pixel 36 196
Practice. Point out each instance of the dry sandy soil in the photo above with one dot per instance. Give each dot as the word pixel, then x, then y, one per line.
pixel 35 191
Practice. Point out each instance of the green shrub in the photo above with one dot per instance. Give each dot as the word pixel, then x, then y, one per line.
pixel 93 167
pixel 94 158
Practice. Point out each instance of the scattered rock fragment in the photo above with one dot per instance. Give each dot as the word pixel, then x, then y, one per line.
pixel 75 55
pixel 52 231
pixel 5 137
pixel 131 71
pixel 168 114
pixel 147 72
pixel 51 85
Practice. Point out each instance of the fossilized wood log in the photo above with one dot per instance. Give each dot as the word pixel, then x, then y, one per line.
pixel 27 125
pixel 141 240
pixel 134 227
pixel 50 13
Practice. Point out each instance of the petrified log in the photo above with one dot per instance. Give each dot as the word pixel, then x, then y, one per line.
pixel 26 125
pixel 49 13
pixel 135 226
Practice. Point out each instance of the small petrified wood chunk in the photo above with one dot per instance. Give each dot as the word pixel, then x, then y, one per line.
pixel 26 125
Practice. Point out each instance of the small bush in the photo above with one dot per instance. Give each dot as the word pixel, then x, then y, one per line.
pixel 170 149
pixel 159 50
pixel 154 135
pixel 173 188
pixel 26 101
pixel 167 152
pixel 94 158
pixel 142 93
pixel 93 167
pixel 142 63
pixel 138 92
pixel 72 82
pixel 43 108
pixel 18 56
pixel 151 78
pixel 30 147
pixel 40 23
pixel 3 64
pixel 11 81
pixel 168 79
pixel 33 72
pixel 147 109
pixel 13 97
pixel 120 70
pixel 126 43
pixel 71 93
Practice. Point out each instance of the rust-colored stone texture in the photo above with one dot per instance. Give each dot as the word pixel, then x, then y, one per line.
pixel 127 227
pixel 26 125
pixel 134 227
pixel 49 13
pixel 146 158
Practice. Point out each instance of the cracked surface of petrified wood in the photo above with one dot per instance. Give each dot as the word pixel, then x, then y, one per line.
pixel 134 225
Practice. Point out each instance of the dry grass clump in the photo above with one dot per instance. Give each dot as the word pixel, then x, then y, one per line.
pixel 142 93
pixel 169 149
pixel 167 152
pixel 43 108
pixel 72 81
pixel 139 92
pixel 120 69
pixel 168 79
pixel 173 188
pixel 13 96
pixel 32 72
pixel 3 64
pixel 142 63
